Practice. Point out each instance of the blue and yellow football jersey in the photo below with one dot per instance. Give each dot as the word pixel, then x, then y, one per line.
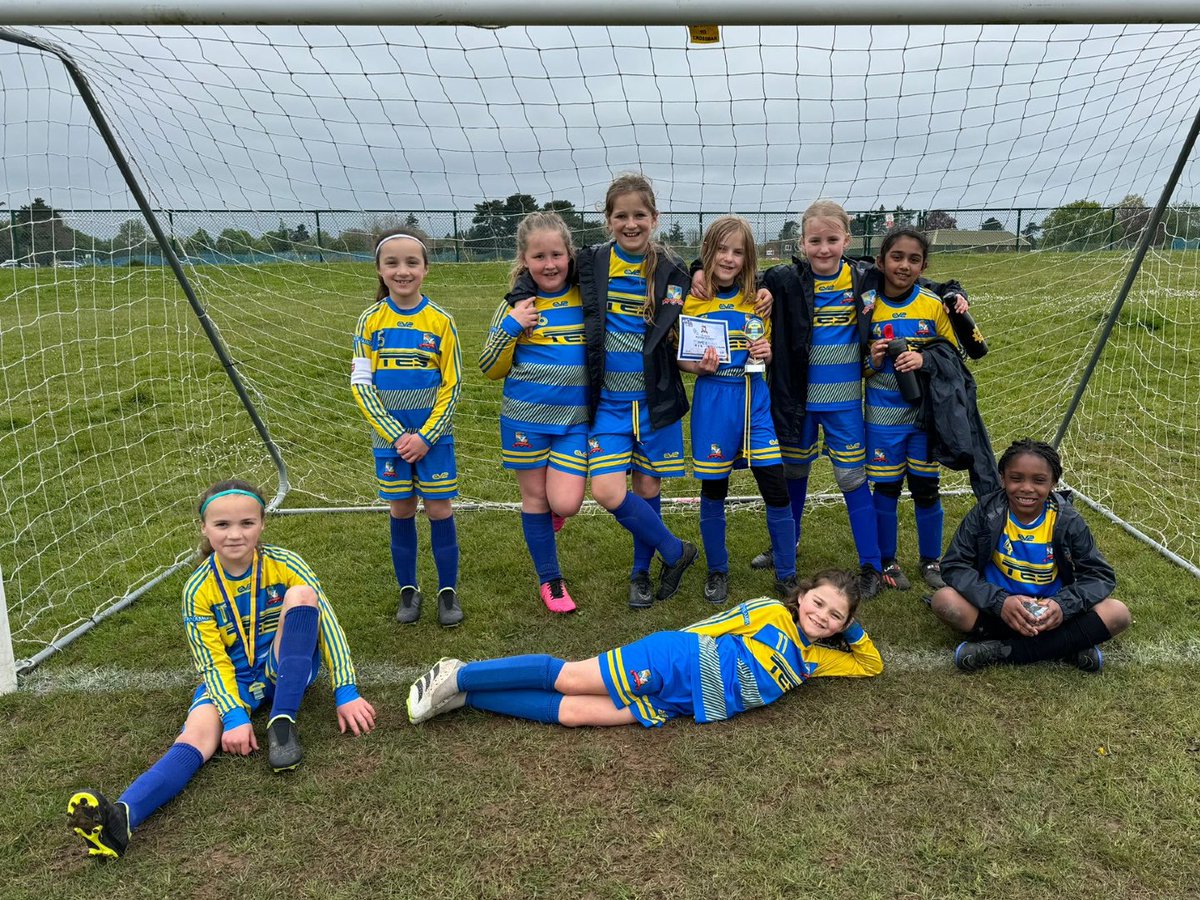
pixel 1022 562
pixel 219 608
pixel 754 653
pixel 918 318
pixel 625 328
pixel 835 354
pixel 407 372
pixel 545 370
pixel 733 307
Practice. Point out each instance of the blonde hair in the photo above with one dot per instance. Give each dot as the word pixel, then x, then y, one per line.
pixel 381 290
pixel 538 221
pixel 720 231
pixel 825 209
pixel 637 183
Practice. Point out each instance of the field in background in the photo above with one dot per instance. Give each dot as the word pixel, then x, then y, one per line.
pixel 920 783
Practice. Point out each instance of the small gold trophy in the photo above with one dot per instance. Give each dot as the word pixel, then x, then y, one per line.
pixel 754 330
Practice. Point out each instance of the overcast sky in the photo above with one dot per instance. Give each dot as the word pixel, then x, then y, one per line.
pixel 438 118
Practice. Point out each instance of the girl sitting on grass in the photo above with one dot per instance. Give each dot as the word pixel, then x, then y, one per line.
pixel 1024 579
pixel 259 627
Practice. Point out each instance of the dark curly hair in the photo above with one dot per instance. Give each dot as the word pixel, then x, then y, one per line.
pixel 1033 448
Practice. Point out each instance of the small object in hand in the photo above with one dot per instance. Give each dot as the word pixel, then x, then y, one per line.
pixel 1035 609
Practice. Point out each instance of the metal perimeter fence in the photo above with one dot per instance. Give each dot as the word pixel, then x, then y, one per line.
pixel 38 235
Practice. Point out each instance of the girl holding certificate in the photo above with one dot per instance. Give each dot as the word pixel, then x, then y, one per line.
pixel 736 429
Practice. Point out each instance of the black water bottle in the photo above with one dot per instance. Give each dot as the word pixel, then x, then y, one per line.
pixel 910 388
pixel 970 338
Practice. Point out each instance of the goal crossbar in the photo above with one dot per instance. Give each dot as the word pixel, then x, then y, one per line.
pixel 610 12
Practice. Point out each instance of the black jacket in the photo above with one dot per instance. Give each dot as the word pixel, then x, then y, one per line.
pixel 1087 578
pixel 949 415
pixel 791 286
pixel 664 385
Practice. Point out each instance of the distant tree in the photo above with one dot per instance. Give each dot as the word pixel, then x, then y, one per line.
pixel 354 240
pixel 279 240
pixel 494 226
pixel 790 231
pixel 902 216
pixel 1130 220
pixel 1030 232
pixel 1077 225
pixel 131 234
pixel 675 236
pixel 584 230
pixel 863 224
pixel 940 220
pixel 300 235
pixel 411 221
pixel 37 232
pixel 235 241
pixel 199 242
pixel 991 223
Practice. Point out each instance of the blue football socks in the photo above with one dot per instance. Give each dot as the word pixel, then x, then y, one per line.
pixel 782 529
pixel 537 706
pixel 443 538
pixel 798 493
pixel 643 552
pixel 296 646
pixel 712 531
pixel 640 520
pixel 929 530
pixel 161 783
pixel 404 550
pixel 539 535
pixel 533 670
pixel 862 526
pixel 886 523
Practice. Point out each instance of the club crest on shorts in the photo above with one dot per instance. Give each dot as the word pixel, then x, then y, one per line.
pixel 878 456
pixel 593 446
pixel 389 468
pixel 714 451
pixel 520 439
pixel 639 677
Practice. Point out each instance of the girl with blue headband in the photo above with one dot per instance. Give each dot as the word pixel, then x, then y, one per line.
pixel 259 627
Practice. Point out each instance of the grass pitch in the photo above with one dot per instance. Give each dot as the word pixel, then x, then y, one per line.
pixel 919 783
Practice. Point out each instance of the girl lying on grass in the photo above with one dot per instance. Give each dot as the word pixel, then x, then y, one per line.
pixel 741 658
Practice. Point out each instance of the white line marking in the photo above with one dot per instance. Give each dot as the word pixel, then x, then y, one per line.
pixel 112 679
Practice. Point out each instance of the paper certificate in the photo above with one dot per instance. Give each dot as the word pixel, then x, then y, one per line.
pixel 696 335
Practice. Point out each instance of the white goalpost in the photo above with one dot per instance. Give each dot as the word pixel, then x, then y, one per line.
pixel 186 216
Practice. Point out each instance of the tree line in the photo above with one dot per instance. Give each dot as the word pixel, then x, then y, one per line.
pixel 37 233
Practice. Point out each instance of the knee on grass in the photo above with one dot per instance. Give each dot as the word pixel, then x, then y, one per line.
pixel 950 606
pixel 1114 614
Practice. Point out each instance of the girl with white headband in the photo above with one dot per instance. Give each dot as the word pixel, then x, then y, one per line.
pixel 406 377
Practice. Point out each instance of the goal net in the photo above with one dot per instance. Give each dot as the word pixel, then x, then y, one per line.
pixel 1032 155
